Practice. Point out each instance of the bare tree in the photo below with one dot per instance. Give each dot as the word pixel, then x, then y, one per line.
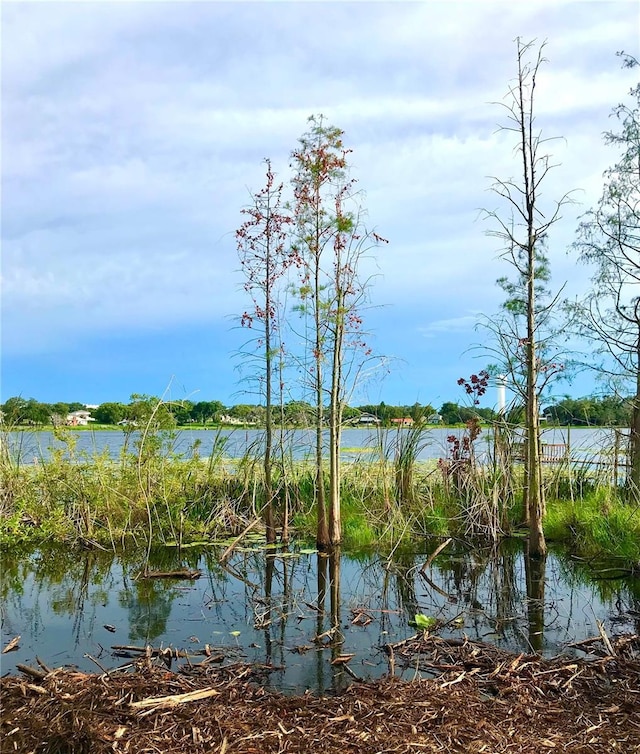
pixel 522 227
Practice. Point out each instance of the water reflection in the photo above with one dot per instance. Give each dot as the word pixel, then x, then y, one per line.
pixel 535 568
pixel 301 612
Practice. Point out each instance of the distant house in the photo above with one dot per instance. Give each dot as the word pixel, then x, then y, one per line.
pixel 234 421
pixel 406 421
pixel 79 418
pixel 366 419
pixel 434 419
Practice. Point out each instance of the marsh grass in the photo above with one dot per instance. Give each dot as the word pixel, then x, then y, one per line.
pixel 598 524
pixel 151 493
pixel 480 495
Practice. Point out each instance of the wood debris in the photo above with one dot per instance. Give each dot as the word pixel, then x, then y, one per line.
pixel 480 699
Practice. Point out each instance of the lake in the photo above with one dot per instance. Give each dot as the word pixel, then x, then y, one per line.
pixel 585 443
pixel 297 610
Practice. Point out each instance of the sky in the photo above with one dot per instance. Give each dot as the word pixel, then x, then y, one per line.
pixel 134 133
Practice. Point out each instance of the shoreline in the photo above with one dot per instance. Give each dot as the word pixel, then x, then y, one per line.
pixel 481 699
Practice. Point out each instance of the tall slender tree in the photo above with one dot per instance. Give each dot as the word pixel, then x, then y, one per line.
pixel 609 239
pixel 331 243
pixel 264 257
pixel 522 229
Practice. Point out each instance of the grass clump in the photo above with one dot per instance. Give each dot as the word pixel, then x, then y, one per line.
pixel 600 523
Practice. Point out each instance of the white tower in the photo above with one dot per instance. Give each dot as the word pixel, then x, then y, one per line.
pixel 502 393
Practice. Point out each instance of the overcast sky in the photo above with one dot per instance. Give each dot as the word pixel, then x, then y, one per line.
pixel 132 134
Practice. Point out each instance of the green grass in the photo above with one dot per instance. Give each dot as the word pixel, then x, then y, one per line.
pixel 599 524
pixel 152 495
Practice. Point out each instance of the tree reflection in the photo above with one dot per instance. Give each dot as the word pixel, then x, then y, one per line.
pixel 322 563
pixel 265 619
pixel 338 676
pixel 149 604
pixel 267 602
pixel 149 601
pixel 329 633
pixel 535 573
pixel 404 566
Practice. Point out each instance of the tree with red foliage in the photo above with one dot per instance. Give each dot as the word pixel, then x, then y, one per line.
pixel 264 258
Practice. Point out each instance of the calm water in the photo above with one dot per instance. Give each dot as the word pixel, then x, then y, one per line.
pixel 269 609
pixel 234 443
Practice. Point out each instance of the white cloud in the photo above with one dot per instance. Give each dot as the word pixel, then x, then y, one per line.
pixel 463 324
pixel 131 132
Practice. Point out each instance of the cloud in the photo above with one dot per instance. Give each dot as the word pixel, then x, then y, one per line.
pixel 455 325
pixel 133 134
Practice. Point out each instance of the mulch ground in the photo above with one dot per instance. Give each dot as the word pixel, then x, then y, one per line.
pixel 481 700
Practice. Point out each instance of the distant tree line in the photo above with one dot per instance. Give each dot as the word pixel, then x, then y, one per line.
pixel 580 412
pixel 607 411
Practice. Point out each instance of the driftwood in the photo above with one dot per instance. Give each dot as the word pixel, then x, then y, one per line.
pixel 605 639
pixel 227 553
pixel 39 675
pixel 12 645
pixel 435 554
pixel 166 653
pixel 45 667
pixel 172 700
pixel 342 659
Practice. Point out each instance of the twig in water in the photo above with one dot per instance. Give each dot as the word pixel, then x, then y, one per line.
pixel 605 639
pixel 93 659
pixel 435 554
pixel 13 644
pixel 225 555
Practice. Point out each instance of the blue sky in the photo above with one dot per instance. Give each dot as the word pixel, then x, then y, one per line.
pixel 132 134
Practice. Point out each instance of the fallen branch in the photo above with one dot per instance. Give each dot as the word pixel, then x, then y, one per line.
pixel 225 555
pixel 128 650
pixel 28 670
pixel 12 645
pixel 93 659
pixel 605 639
pixel 45 667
